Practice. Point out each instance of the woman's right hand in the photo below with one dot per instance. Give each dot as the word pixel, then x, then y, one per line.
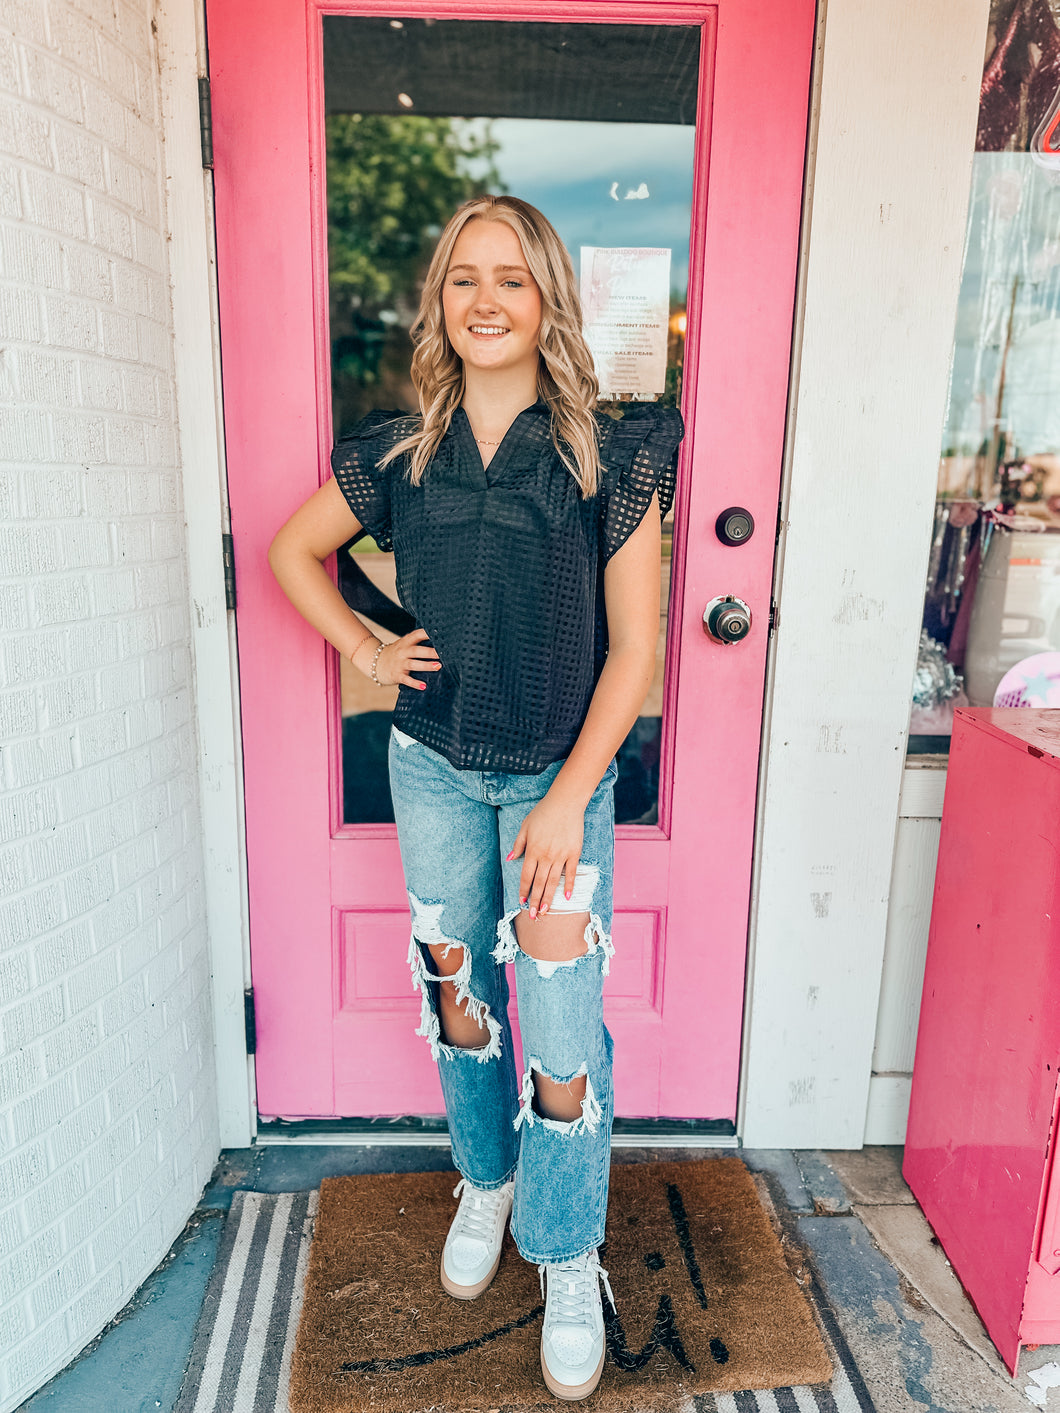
pixel 398 660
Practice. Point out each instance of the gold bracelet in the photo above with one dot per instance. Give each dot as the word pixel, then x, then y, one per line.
pixel 375 659
pixel 368 637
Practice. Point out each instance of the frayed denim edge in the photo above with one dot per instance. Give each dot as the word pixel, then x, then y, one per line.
pixel 595 939
pixel 591 1111
pixel 430 1026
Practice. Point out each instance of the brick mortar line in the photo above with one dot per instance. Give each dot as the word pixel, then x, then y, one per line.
pixel 33 889
pixel 92 302
pixel 112 1119
pixel 72 350
pixel 108 808
pixel 82 410
pixel 109 37
pixel 101 1094
pixel 57 878
pixel 88 244
pixel 113 1176
pixel 144 63
pixel 140 468
pixel 82 184
pixel 71 1252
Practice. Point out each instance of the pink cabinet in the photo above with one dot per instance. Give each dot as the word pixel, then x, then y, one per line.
pixel 981 1151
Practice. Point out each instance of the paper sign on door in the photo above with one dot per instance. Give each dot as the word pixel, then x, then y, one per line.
pixel 625 294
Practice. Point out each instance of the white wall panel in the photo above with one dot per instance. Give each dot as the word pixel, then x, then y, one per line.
pixel 895 128
pixel 905 949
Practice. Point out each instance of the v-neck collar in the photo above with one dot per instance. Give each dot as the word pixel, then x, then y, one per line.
pixel 482 474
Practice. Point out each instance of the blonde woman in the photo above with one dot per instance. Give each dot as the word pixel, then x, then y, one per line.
pixel 525 527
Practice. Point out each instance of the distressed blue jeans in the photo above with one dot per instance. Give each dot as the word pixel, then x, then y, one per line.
pixel 455 828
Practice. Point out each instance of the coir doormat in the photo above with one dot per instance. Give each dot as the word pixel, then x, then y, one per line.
pixel 706 1302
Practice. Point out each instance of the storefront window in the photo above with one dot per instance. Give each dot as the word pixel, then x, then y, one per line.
pixel 991 629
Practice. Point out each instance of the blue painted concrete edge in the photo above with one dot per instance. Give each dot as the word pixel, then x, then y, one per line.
pixel 136 1365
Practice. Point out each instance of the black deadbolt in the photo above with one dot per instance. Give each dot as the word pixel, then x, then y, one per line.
pixel 735 525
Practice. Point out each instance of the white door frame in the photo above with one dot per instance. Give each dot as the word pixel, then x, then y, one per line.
pixel 189 193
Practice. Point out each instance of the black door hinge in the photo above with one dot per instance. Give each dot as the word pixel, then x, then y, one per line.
pixel 205 122
pixel 248 1021
pixel 229 560
pixel 774 617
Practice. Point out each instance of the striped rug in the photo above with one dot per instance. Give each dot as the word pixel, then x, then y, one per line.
pixel 240 1360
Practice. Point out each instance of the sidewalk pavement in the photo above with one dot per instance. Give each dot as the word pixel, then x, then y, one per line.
pixel 916 1338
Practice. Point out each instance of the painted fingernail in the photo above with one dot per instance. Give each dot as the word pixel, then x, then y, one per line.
pixel 544 909
pixel 533 914
pixel 567 895
pixel 422 686
pixel 522 902
pixel 508 858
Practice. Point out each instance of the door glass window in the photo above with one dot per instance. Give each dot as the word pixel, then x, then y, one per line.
pixel 422 114
pixel 991 628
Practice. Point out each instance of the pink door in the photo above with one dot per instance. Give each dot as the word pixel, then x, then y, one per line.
pixel 674 127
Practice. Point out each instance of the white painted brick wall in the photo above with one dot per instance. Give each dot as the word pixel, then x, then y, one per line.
pixel 107 1104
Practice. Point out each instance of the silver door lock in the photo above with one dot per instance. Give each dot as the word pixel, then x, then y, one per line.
pixel 727 619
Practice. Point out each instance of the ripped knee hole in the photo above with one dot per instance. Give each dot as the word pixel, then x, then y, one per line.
pixel 453 999
pixel 553 941
pixel 591 1112
pixel 574 1088
pixel 427 934
pixel 595 938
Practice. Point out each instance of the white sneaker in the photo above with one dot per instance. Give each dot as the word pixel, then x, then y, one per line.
pixel 472 1250
pixel 572 1337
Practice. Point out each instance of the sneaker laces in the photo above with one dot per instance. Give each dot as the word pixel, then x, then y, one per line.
pixel 572 1287
pixel 476 1217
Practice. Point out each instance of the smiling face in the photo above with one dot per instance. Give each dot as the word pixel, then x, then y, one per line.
pixel 490 300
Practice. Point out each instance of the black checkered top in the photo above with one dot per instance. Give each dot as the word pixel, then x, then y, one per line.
pixel 503 567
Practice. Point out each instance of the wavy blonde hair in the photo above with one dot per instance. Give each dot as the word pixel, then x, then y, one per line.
pixel 565 380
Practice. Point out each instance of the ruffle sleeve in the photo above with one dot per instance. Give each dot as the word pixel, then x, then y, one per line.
pixel 640 460
pixel 365 484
